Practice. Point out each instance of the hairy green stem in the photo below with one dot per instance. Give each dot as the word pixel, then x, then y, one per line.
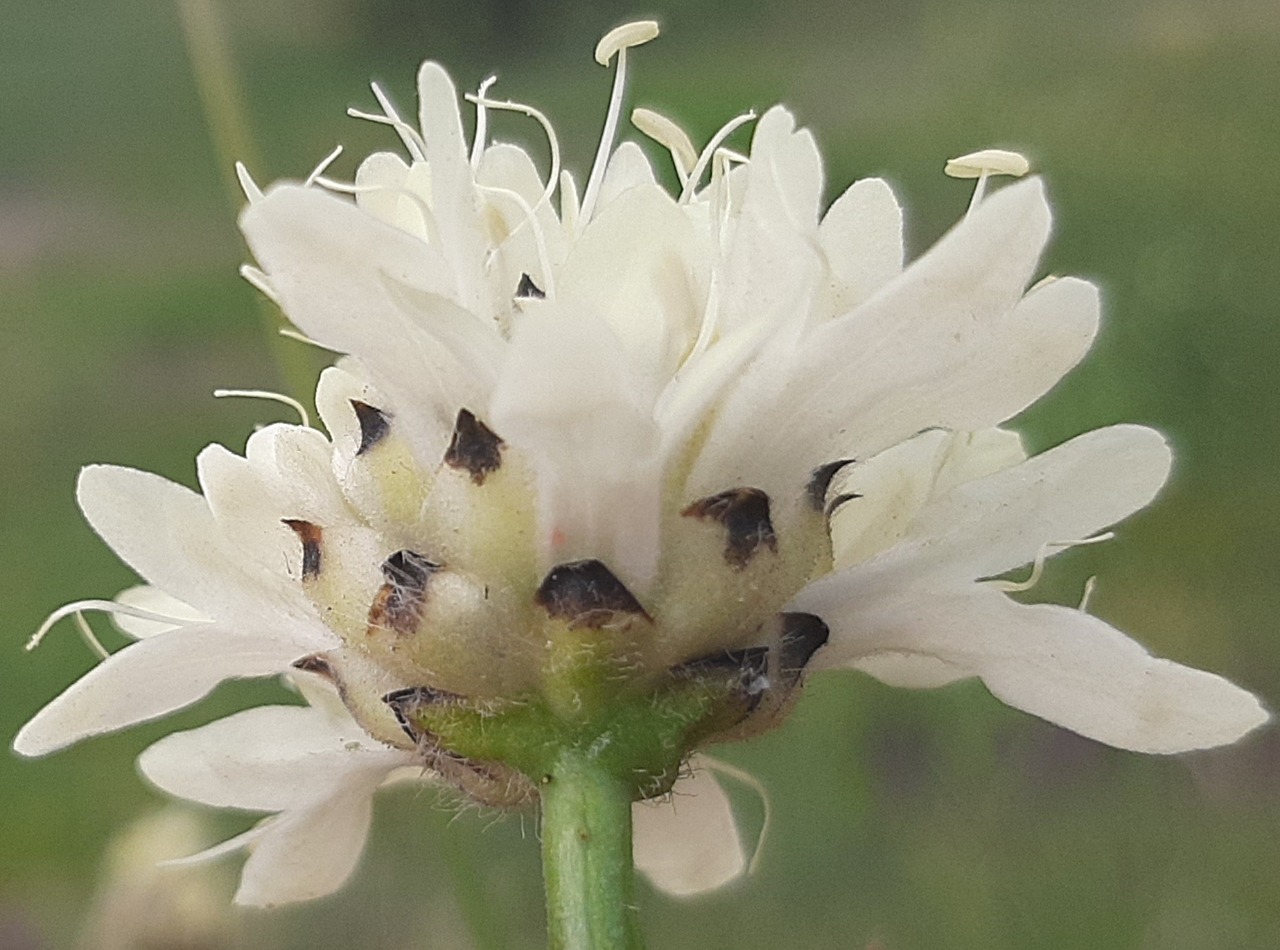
pixel 586 855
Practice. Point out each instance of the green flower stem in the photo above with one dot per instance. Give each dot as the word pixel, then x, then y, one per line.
pixel 586 855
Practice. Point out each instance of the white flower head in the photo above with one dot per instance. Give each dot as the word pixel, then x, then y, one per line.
pixel 699 445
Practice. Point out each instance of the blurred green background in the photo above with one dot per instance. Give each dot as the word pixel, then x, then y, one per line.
pixel 903 820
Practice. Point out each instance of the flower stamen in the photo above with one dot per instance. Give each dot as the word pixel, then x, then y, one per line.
pixel 553 143
pixel 616 41
pixel 539 239
pixel 482 121
pixel 410 136
pixel 671 137
pixel 700 167
pixel 103 606
pixel 323 166
pixel 289 401
pixel 1037 566
pixel 982 165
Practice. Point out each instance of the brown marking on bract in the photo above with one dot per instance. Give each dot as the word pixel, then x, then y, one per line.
pixel 586 594
pixel 398 604
pixel 474 448
pixel 528 289
pixel 375 425
pixel 744 514
pixel 311 537
pixel 318 664
pixel 802 636
pixel 820 482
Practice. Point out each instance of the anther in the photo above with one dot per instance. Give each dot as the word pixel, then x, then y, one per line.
pixel 474 448
pixel 744 514
pixel 311 536
pixel 586 594
pixel 374 425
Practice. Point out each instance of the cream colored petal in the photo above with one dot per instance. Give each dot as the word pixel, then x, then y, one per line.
pixel 861 235
pixel 308 852
pixel 340 275
pixel 628 168
pixel 453 194
pixel 990 525
pixel 636 266
pixel 589 433
pixel 265 759
pixel 150 678
pixel 1065 666
pixel 944 344
pixel 689 844
pixel 168 535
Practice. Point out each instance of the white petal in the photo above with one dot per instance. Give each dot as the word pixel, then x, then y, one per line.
pixel 308 852
pixel 156 601
pixel 861 234
pixel 167 534
pixel 264 759
pixel 382 180
pixel 635 267
pixel 453 193
pixel 689 844
pixel 993 524
pixel 1065 666
pixel 150 678
pixel 785 179
pixel 589 431
pixel 896 485
pixel 952 347
pixel 628 168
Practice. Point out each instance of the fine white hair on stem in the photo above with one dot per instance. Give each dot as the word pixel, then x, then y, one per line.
pixel 104 606
pixel 323 166
pixel 482 120
pixel 691 185
pixel 753 783
pixel 530 218
pixel 1037 566
pixel 553 143
pixel 289 401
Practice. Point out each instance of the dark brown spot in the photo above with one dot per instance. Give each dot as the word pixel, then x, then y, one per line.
pixel 474 447
pixel 398 603
pixel 407 703
pixel 528 289
pixel 840 500
pixel 316 663
pixel 310 535
pixel 802 636
pixel 820 482
pixel 374 425
pixel 744 513
pixel 587 594
pixel 747 669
